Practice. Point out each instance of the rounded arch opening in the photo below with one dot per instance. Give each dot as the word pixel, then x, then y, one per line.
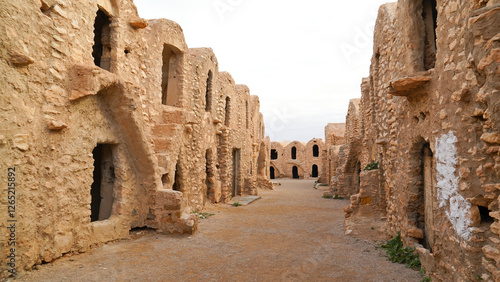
pixel 315 151
pixel 314 171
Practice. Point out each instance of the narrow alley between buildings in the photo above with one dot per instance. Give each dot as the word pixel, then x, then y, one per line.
pixel 290 234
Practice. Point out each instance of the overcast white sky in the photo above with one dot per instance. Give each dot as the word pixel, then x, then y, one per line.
pixel 304 59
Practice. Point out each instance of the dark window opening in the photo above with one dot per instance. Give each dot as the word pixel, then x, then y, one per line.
pixel 101 51
pixel 485 215
pixel 236 171
pixel 274 154
pixel 295 172
pixel 209 172
pixel 228 111
pixel 101 190
pixel 315 151
pixel 294 153
pixel 314 171
pixel 429 16
pixel 357 178
pixel 271 173
pixel 168 90
pixel 208 94
pixel 177 186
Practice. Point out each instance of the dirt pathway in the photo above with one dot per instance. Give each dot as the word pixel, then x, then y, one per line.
pixel 291 234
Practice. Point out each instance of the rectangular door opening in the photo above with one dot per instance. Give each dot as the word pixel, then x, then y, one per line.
pixel 101 51
pixel 236 171
pixel 102 188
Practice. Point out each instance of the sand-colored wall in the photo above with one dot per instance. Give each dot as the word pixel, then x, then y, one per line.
pixel 163 162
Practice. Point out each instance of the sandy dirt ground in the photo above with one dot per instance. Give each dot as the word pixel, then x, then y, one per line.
pixel 291 234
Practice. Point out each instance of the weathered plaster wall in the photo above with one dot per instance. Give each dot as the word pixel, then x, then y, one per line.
pixel 168 154
pixel 429 118
pixel 334 138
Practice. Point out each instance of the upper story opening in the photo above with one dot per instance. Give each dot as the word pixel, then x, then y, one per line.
pixel 169 80
pixel 429 17
pixel 228 111
pixel 101 51
pixel 208 94
pixel 315 151
pixel 274 154
pixel 294 153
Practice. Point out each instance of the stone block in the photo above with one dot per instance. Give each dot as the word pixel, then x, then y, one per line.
pixel 426 259
pixel 57 125
pixel 20 60
pixel 138 23
pixel 404 86
pixel 162 144
pixel 168 200
pixel 492 137
pixel 416 233
pixel 491 253
pixel 354 199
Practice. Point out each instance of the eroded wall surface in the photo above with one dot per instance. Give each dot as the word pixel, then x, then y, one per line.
pixel 429 116
pixel 111 122
pixel 334 138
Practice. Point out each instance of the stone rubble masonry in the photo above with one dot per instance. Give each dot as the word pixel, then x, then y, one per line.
pixel 304 161
pixel 91 93
pixel 429 114
pixel 334 138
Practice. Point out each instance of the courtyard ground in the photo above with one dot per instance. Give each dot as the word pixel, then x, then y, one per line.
pixel 291 234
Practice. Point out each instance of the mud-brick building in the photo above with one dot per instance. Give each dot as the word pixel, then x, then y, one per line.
pixel 429 116
pixel 334 139
pixel 111 123
pixel 297 160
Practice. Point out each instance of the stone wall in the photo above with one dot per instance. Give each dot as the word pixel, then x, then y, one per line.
pixel 307 160
pixel 111 122
pixel 334 138
pixel 429 117
pixel 347 166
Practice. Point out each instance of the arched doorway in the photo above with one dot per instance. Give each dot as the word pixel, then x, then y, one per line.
pixel 314 172
pixel 271 173
pixel 295 172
